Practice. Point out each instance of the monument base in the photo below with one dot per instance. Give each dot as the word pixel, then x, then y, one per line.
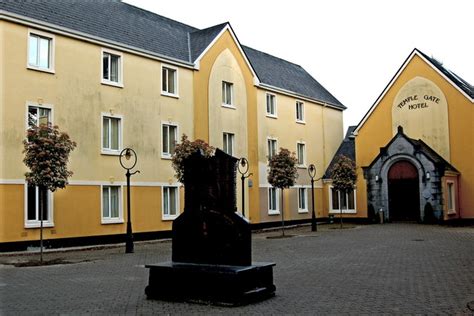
pixel 216 284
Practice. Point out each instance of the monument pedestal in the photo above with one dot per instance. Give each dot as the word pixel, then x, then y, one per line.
pixel 217 284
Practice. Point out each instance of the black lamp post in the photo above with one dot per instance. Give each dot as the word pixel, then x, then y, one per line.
pixel 243 168
pixel 128 160
pixel 312 174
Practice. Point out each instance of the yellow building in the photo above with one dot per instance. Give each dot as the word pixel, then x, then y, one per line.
pixel 116 76
pixel 414 148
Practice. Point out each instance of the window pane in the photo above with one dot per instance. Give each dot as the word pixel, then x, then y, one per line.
pixel 230 144
pixel 165 139
pixel 166 196
pixel 450 196
pixel 33 51
pixel 224 101
pixel 44 53
pixel 105 202
pixel 114 134
pixel 164 78
pixel 31 200
pixel 302 198
pixel 335 199
pixel 114 202
pixel 172 135
pixel 300 154
pixel 105 66
pixel 43 203
pixel 106 133
pixel 173 196
pixel 32 116
pixel 114 68
pixel 350 200
pixel 171 81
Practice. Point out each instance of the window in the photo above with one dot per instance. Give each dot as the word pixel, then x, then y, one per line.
pixel 111 205
pixel 170 202
pixel 451 198
pixel 228 143
pixel 301 153
pixel 38 199
pixel 169 81
pixel 38 115
pixel 302 200
pixel 348 201
pixel 112 68
pixel 169 139
pixel 40 51
pixel 227 93
pixel 273 201
pixel 271 147
pixel 111 134
pixel 299 111
pixel 271 105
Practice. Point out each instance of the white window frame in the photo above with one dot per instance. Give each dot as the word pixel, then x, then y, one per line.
pixel 277 198
pixel 37 223
pixel 344 211
pixel 231 104
pixel 268 147
pixel 168 155
pixel 109 82
pixel 111 220
pixel 303 165
pixel 302 119
pixel 39 106
pixel 305 197
pixel 269 114
pixel 51 55
pixel 228 136
pixel 176 81
pixel 107 151
pixel 177 196
pixel 451 198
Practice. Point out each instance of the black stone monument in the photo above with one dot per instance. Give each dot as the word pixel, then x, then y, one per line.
pixel 211 252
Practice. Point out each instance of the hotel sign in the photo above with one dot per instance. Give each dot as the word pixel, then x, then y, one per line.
pixel 421 108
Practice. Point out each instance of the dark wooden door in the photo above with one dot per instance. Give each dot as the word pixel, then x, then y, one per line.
pixel 403 192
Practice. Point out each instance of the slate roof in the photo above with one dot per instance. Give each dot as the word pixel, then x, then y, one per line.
pixel 347 148
pixel 460 82
pixel 127 25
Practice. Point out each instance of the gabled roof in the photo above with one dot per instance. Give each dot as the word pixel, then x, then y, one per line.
pixel 347 148
pixel 462 85
pixel 123 25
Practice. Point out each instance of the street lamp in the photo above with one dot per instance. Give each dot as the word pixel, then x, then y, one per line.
pixel 243 168
pixel 128 160
pixel 312 174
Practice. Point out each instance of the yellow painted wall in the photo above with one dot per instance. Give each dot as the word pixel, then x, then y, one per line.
pixel 376 132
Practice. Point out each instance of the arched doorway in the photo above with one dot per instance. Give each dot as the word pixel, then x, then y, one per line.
pixel 403 192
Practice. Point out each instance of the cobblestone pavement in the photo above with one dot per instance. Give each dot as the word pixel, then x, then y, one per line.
pixel 374 269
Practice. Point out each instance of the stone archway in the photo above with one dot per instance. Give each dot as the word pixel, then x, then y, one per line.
pixel 403 192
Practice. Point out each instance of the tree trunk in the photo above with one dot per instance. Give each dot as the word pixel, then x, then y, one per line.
pixel 282 216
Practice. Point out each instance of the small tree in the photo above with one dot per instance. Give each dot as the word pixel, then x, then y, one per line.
pixel 47 152
pixel 343 178
pixel 282 175
pixel 184 150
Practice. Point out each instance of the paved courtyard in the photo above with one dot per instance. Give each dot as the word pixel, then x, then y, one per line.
pixel 374 269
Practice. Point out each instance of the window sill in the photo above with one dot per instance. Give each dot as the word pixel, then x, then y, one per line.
pixel 47 70
pixel 166 156
pixel 229 106
pixel 301 122
pixel 110 152
pixel 38 224
pixel 171 95
pixel 169 218
pixel 343 212
pixel 301 166
pixel 303 211
pixel 111 221
pixel 272 116
pixel 112 83
pixel 451 212
pixel 272 212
